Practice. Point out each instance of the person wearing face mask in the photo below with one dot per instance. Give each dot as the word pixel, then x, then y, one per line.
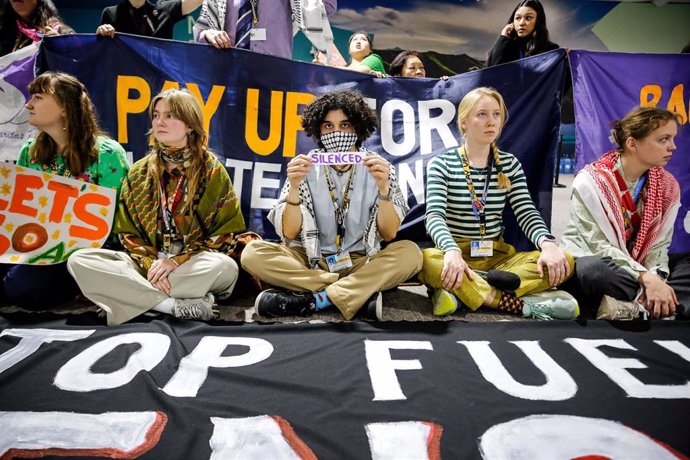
pixel 331 220
pixel 622 213
pixel 467 190
pixel 524 35
pixel 177 214
pixel 362 56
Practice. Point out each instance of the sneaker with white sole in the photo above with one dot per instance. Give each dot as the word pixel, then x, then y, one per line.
pixel 550 305
pixel 274 303
pixel 619 310
pixel 195 308
pixel 444 302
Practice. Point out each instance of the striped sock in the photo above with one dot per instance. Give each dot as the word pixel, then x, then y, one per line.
pixel 322 300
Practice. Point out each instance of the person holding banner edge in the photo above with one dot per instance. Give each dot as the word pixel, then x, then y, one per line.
pixel 177 214
pixel 622 212
pixel 70 144
pixel 264 26
pixel 331 220
pixel 362 56
pixel 467 190
pixel 139 17
pixel 27 22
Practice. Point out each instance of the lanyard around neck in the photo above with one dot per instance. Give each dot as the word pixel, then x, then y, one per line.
pixel 168 205
pixel 478 206
pixel 340 208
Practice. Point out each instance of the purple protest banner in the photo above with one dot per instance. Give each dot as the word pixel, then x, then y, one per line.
pixel 607 85
pixel 16 72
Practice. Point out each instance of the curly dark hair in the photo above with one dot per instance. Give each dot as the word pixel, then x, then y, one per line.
pixel 396 68
pixel 362 117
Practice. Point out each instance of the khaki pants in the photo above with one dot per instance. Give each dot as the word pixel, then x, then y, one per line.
pixel 288 268
pixel 114 282
pixel 474 293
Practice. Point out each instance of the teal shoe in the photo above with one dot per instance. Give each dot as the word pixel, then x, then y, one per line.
pixel 550 305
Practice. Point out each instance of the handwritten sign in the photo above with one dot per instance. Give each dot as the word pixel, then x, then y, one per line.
pixel 44 218
pixel 336 158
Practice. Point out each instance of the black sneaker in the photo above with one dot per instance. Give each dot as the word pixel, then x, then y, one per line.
pixel 372 310
pixel 273 303
pixel 501 280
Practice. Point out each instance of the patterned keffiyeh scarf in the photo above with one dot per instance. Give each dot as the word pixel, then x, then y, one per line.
pixel 660 194
pixel 309 235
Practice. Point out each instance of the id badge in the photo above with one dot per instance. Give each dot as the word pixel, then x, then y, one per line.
pixel 257 34
pixel 481 248
pixel 339 262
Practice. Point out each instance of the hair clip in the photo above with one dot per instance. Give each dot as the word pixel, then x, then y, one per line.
pixel 612 136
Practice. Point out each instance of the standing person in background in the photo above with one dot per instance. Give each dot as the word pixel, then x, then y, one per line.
pixel 467 190
pixel 363 58
pixel 524 35
pixel 407 64
pixel 177 215
pixel 139 17
pixel 622 212
pixel 23 22
pixel 331 220
pixel 69 144
pixel 261 26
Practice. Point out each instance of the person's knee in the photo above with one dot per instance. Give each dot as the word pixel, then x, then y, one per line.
pixel 250 259
pixel 593 271
pixel 411 255
pixel 228 268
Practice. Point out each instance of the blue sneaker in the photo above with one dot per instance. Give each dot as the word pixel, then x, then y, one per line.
pixel 550 305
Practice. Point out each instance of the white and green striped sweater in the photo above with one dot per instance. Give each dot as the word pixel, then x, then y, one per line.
pixel 449 207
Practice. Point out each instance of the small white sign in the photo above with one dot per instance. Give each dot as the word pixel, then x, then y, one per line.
pixel 336 158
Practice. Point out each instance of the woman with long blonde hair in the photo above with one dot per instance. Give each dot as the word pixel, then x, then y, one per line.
pixel 69 143
pixel 177 214
pixel 467 189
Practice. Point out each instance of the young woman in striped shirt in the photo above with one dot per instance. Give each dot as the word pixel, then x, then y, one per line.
pixel 467 189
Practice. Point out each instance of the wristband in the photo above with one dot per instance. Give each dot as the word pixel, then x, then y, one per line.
pixel 385 197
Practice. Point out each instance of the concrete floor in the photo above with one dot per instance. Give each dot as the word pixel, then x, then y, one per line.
pixel 560 204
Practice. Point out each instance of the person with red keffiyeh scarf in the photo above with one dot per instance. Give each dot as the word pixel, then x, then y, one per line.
pixel 622 212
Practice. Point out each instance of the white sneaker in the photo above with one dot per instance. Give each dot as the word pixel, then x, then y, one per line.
pixel 614 309
pixel 550 305
pixel 195 308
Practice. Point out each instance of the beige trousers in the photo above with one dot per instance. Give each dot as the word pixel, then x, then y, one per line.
pixel 114 282
pixel 288 268
pixel 474 293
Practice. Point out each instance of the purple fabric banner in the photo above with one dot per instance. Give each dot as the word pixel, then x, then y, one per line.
pixel 16 72
pixel 607 85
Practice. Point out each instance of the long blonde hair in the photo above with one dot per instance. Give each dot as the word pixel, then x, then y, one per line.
pixel 467 104
pixel 185 108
